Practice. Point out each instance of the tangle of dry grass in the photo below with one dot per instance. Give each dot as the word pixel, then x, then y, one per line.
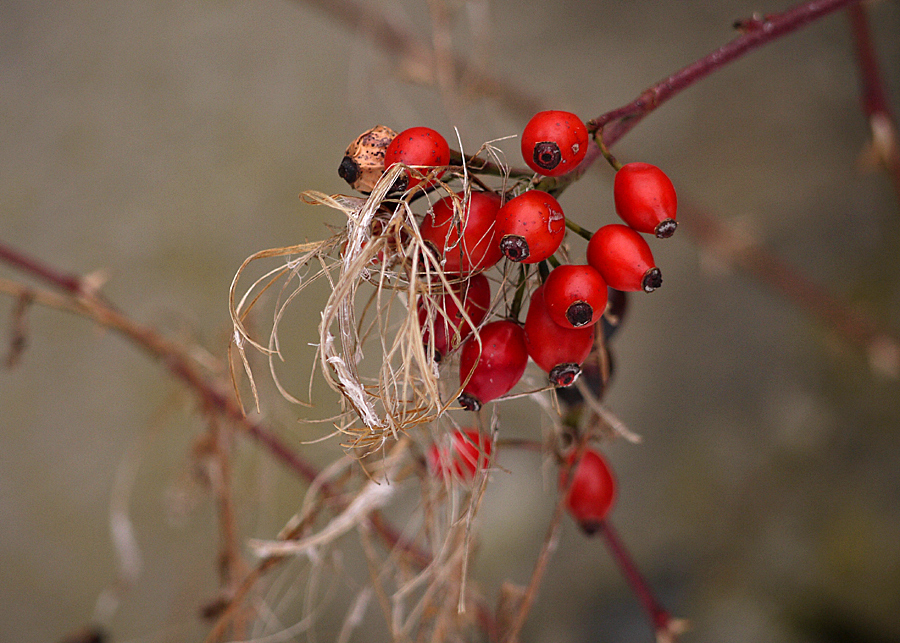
pixel 385 287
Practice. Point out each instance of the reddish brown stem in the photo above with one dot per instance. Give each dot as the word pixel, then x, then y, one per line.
pixel 659 616
pixel 881 345
pixel 212 395
pixel 875 102
pixel 618 122
pixel 70 283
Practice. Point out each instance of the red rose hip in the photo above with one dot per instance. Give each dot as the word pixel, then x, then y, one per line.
pixel 554 142
pixel 645 199
pixel 622 256
pixel 575 295
pixel 590 489
pixel 451 324
pixel 530 227
pixel 420 147
pixel 493 366
pixel 559 351
pixel 460 454
pixel 478 249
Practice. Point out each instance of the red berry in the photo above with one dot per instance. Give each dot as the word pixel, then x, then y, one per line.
pixel 495 365
pixel 554 142
pixel 575 295
pixel 530 227
pixel 559 351
pixel 592 491
pixel 452 325
pixel 645 199
pixel 622 256
pixel 460 454
pixel 419 147
pixel 478 249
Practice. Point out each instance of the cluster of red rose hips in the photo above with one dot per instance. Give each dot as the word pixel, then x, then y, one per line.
pixel 471 231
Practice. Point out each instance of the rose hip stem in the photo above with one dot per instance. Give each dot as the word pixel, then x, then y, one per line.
pixel 659 616
pixel 617 123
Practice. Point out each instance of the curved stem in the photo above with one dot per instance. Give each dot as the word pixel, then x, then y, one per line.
pixel 759 31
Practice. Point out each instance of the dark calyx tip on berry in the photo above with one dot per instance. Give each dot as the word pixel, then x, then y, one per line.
pixel 580 313
pixel 652 280
pixel 590 527
pixel 514 247
pixel 547 155
pixel 400 184
pixel 666 228
pixel 469 402
pixel 349 170
pixel 564 375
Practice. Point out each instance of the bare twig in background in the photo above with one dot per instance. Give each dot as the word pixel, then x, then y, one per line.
pixel 83 299
pixel 880 345
pixel 756 32
pixel 18 336
pixel 884 146
pixel 420 60
pixel 79 298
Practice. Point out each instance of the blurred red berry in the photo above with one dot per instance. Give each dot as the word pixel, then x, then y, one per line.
pixel 591 489
pixel 460 454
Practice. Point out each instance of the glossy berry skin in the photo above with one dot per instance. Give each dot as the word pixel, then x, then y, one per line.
pixel 645 199
pixel 450 326
pixel 460 455
pixel 592 491
pixel 496 364
pixel 575 295
pixel 530 227
pixel 623 257
pixel 554 142
pixel 420 147
pixel 558 351
pixel 479 248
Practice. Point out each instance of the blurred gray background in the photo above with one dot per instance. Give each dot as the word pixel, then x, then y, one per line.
pixel 163 142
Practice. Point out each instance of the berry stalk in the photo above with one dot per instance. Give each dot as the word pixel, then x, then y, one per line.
pixel 659 616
